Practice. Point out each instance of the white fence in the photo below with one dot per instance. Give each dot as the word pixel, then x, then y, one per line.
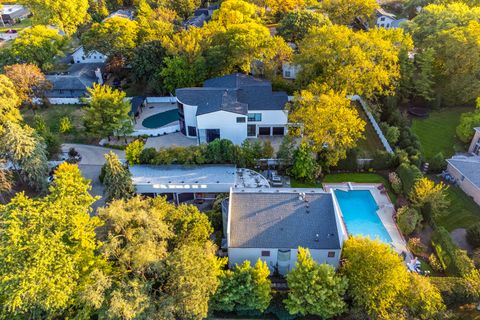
pixel 155 100
pixel 155 132
pixel 374 123
pixel 65 101
pixel 8 36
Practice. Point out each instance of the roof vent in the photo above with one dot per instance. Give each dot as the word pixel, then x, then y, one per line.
pixel 301 197
pixel 308 211
pixel 317 238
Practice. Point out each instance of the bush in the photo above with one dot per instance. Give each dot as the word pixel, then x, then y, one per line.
pixel 416 246
pixel 473 235
pixel 434 263
pixel 382 160
pixel 437 163
pixel 408 219
pixel 103 171
pixel 65 125
pixel 350 162
pixel 395 182
pixel 133 151
pixel 408 174
pixel 147 155
pixel 455 290
pixel 392 133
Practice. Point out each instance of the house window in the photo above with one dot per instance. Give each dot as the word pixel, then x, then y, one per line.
pixel 255 117
pixel 83 57
pixel 278 131
pixel 240 119
pixel 265 253
pixel 331 254
pixel 192 131
pixel 382 19
pixel 287 74
pixel 264 131
pixel 251 130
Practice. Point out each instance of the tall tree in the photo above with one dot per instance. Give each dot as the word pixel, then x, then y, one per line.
pixel 423 299
pixel 376 277
pixel 148 62
pixel 47 248
pixel 279 7
pixel 346 11
pixel 9 102
pixel 363 63
pixel 328 120
pixel 37 45
pixel 107 112
pixel 304 166
pixel 117 180
pixel 314 289
pixel 295 25
pixel 427 192
pixel 65 14
pixel 154 24
pixel 29 81
pixel 184 8
pixel 423 80
pixel 468 121
pixel 245 288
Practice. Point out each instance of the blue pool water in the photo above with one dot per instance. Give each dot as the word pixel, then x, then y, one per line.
pixel 360 216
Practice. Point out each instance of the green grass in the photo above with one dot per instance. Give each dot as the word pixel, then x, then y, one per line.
pixel 437 132
pixel 463 211
pixel 19 26
pixel 371 143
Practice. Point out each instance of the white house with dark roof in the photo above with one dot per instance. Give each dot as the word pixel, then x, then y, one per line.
pixel 234 107
pixel 270 224
pixel 81 56
pixel 388 20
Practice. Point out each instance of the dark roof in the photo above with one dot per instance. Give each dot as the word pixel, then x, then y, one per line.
pixel 468 166
pixel 79 77
pixel 237 93
pixel 280 220
pixel 135 103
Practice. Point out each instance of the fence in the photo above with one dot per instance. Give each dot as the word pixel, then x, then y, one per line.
pixel 65 101
pixel 374 123
pixel 155 132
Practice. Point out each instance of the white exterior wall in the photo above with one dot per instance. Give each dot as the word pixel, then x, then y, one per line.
pixel 190 113
pixel 290 71
pixel 466 185
pixel 93 57
pixel 475 141
pixel 238 255
pixel 226 122
pixel 271 118
pixel 386 23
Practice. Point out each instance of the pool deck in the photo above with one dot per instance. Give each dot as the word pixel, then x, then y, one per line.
pixel 385 212
pixel 152 110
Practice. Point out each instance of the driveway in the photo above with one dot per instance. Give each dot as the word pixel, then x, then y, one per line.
pixel 92 155
pixel 168 140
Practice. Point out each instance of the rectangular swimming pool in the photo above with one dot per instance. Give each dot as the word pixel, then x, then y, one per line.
pixel 360 216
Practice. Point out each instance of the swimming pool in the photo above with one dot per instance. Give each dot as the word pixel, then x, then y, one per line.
pixel 160 119
pixel 360 216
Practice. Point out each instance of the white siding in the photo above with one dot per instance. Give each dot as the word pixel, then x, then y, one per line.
pixel 385 23
pixel 226 122
pixel 290 71
pixel 79 56
pixel 271 118
pixel 466 185
pixel 190 113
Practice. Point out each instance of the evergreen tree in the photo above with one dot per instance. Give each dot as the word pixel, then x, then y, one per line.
pixel 304 165
pixel 117 179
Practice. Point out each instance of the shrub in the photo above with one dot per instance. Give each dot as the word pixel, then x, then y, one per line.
pixel 425 191
pixel 133 151
pixel 395 182
pixel 473 235
pixel 437 163
pixel 350 162
pixel 65 125
pixel 304 165
pixel 408 219
pixel 416 246
pixel 382 160
pixel 392 134
pixel 147 155
pixel 455 290
pixel 408 174
pixel 434 263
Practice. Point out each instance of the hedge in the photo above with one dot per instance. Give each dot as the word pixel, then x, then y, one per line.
pixel 409 174
pixel 455 290
pixel 473 235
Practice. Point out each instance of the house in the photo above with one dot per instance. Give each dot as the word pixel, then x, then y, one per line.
pixel 290 70
pixel 182 183
pixel 81 56
pixel 270 224
pixel 201 16
pixel 234 107
pixel 127 14
pixel 12 13
pixel 388 20
pixel 475 144
pixel 74 83
pixel 137 105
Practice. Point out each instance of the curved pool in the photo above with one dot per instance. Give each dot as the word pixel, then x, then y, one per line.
pixel 161 119
pixel 359 210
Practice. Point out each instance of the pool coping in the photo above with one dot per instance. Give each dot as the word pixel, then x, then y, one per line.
pixel 386 211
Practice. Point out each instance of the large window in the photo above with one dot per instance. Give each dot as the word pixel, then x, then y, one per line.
pixel 192 131
pixel 240 119
pixel 264 131
pixel 254 117
pixel 252 130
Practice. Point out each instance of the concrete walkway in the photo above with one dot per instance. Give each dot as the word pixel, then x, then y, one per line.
pixel 92 155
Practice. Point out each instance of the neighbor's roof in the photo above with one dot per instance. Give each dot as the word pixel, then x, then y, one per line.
pixel 278 218
pixel 237 93
pixel 79 77
pixel 135 103
pixel 382 12
pixel 468 166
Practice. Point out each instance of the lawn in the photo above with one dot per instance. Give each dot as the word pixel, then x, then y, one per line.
pixel 371 143
pixel 437 132
pixel 463 211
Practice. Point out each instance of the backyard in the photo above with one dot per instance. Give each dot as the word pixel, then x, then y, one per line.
pixel 371 143
pixel 463 211
pixel 437 132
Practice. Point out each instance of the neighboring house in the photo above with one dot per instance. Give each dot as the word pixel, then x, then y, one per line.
pixel 388 20
pixel 81 56
pixel 475 145
pixel 128 14
pixel 74 83
pixel 466 171
pixel 182 183
pixel 290 70
pixel 201 16
pixel 12 13
pixel 234 107
pixel 270 224
pixel 137 105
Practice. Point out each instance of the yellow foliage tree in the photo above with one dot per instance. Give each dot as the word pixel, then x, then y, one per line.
pixel 345 11
pixel 426 191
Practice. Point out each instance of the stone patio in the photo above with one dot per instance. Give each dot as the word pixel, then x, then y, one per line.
pixel 169 140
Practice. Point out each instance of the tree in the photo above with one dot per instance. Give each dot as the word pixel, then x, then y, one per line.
pixel 65 14
pixel 154 24
pixel 346 11
pixel 29 81
pixel 245 288
pixel 287 149
pixel 359 62
pixel 285 6
pixel 48 247
pixel 315 289
pixel 468 121
pixel 328 121
pixel 408 219
pixel 408 174
pixel 423 299
pixel 133 151
pixel 107 112
pixel 148 62
pixel 114 37
pixel 184 8
pixel 9 102
pixel 37 45
pixel 236 12
pixel 424 80
pixel 179 73
pixel 376 277
pixel 304 165
pixel 117 180
pixel 295 25
pixel 425 191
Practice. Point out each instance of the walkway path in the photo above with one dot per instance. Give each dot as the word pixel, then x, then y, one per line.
pixel 92 155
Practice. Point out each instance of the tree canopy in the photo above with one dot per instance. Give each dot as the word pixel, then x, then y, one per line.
pixel 29 81
pixel 346 11
pixel 117 179
pixel 295 25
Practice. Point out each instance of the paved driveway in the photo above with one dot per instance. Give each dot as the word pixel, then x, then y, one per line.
pixel 168 140
pixel 92 155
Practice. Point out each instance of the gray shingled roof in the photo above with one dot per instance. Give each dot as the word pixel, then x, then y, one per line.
pixel 80 76
pixel 469 166
pixel 235 93
pixel 280 220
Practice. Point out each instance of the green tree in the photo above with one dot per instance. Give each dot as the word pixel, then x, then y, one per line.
pixel 48 247
pixel 117 180
pixel 315 289
pixel 65 14
pixel 359 62
pixel 424 80
pixel 377 277
pixel 37 45
pixel 154 24
pixel 184 8
pixel 133 151
pixel 9 102
pixel 287 149
pixel 245 288
pixel 346 11
pixel 179 73
pixel 295 25
pixel 423 299
pixel 408 219
pixel 304 166
pixel 107 112
pixel 468 121
pixel 148 62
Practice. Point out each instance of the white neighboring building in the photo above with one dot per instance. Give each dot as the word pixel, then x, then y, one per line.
pixel 475 144
pixel 290 70
pixel 234 107
pixel 270 224
pixel 388 20
pixel 80 56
